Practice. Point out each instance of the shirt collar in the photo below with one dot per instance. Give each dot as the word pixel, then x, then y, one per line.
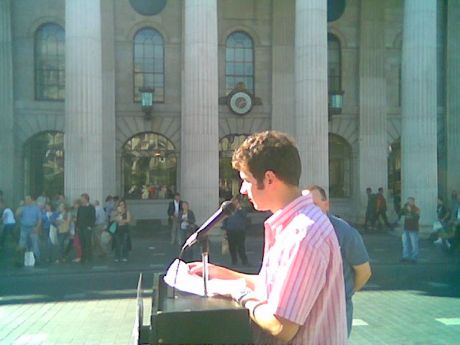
pixel 283 216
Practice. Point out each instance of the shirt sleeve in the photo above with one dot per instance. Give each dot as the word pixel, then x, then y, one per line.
pixel 297 287
pixel 354 250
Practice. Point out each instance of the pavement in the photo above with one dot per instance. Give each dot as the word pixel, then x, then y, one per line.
pixel 95 303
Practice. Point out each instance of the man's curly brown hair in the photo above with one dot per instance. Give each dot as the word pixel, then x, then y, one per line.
pixel 269 151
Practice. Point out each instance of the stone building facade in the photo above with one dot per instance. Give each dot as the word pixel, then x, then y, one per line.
pixel 371 97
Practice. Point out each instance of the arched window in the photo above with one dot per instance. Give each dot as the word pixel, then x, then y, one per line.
pixel 44 164
pixel 340 163
pixel 50 62
pixel 334 70
pixel 149 70
pixel 229 181
pixel 149 167
pixel 239 61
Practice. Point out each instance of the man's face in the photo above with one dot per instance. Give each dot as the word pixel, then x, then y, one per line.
pixel 177 197
pixel 83 200
pixel 318 201
pixel 28 200
pixel 258 197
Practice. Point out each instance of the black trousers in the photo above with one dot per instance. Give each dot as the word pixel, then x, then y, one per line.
pixel 237 246
pixel 121 239
pixel 86 236
pixel 382 216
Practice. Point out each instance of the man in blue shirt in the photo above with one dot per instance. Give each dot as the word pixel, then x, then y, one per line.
pixel 30 221
pixel 356 268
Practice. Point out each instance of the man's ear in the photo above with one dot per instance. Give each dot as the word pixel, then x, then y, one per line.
pixel 270 177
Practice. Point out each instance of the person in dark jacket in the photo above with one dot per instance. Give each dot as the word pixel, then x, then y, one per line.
pixel 235 227
pixel 370 210
pixel 174 208
pixel 86 218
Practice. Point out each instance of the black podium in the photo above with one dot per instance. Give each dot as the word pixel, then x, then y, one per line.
pixel 190 319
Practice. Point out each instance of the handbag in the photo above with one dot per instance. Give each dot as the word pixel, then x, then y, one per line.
pixel 113 228
pixel 53 235
pixel 29 259
pixel 64 227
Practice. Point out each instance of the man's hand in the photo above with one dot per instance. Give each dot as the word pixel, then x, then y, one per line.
pixel 215 272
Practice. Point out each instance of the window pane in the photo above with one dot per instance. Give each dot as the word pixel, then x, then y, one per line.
pixel 229 68
pixel 49 62
pixel 239 60
pixel 149 167
pixel 334 69
pixel 148 60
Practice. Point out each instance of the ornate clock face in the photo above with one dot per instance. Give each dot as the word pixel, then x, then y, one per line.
pixel 240 103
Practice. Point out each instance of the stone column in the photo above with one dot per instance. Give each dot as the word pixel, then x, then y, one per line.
pixel 110 167
pixel 85 145
pixel 7 148
pixel 199 124
pixel 453 96
pixel 311 117
pixel 373 148
pixel 283 67
pixel 419 107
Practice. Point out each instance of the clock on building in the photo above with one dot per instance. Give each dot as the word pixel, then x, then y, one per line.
pixel 240 102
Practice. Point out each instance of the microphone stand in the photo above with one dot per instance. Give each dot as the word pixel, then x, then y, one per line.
pixel 205 261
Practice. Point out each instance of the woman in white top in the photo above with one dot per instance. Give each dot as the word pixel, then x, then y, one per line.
pixel 9 223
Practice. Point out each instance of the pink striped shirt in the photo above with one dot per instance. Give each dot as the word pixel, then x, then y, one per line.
pixel 301 275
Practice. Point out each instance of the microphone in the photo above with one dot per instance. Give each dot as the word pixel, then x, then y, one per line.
pixel 225 210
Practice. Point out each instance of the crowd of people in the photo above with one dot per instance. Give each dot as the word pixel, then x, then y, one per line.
pixel 446 229
pixel 52 231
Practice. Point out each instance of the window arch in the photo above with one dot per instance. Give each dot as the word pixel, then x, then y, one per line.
pixel 239 61
pixel 148 63
pixel 50 62
pixel 149 167
pixel 340 167
pixel 334 69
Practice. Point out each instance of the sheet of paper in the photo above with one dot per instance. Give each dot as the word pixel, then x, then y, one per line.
pixel 191 283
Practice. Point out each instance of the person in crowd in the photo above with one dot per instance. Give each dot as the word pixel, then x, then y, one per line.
pixel 63 223
pixel 49 231
pixel 174 209
pixel 381 207
pixel 86 219
pixel 235 229
pixel 30 219
pixel 74 238
pixel 9 223
pixel 443 212
pixel 122 217
pixel 108 207
pixel 298 297
pixel 99 228
pixel 187 222
pixel 370 210
pixel 397 205
pixel 42 200
pixel 356 267
pixel 410 238
pixel 454 202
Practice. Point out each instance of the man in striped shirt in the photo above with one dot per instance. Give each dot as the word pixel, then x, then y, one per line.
pixel 298 296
